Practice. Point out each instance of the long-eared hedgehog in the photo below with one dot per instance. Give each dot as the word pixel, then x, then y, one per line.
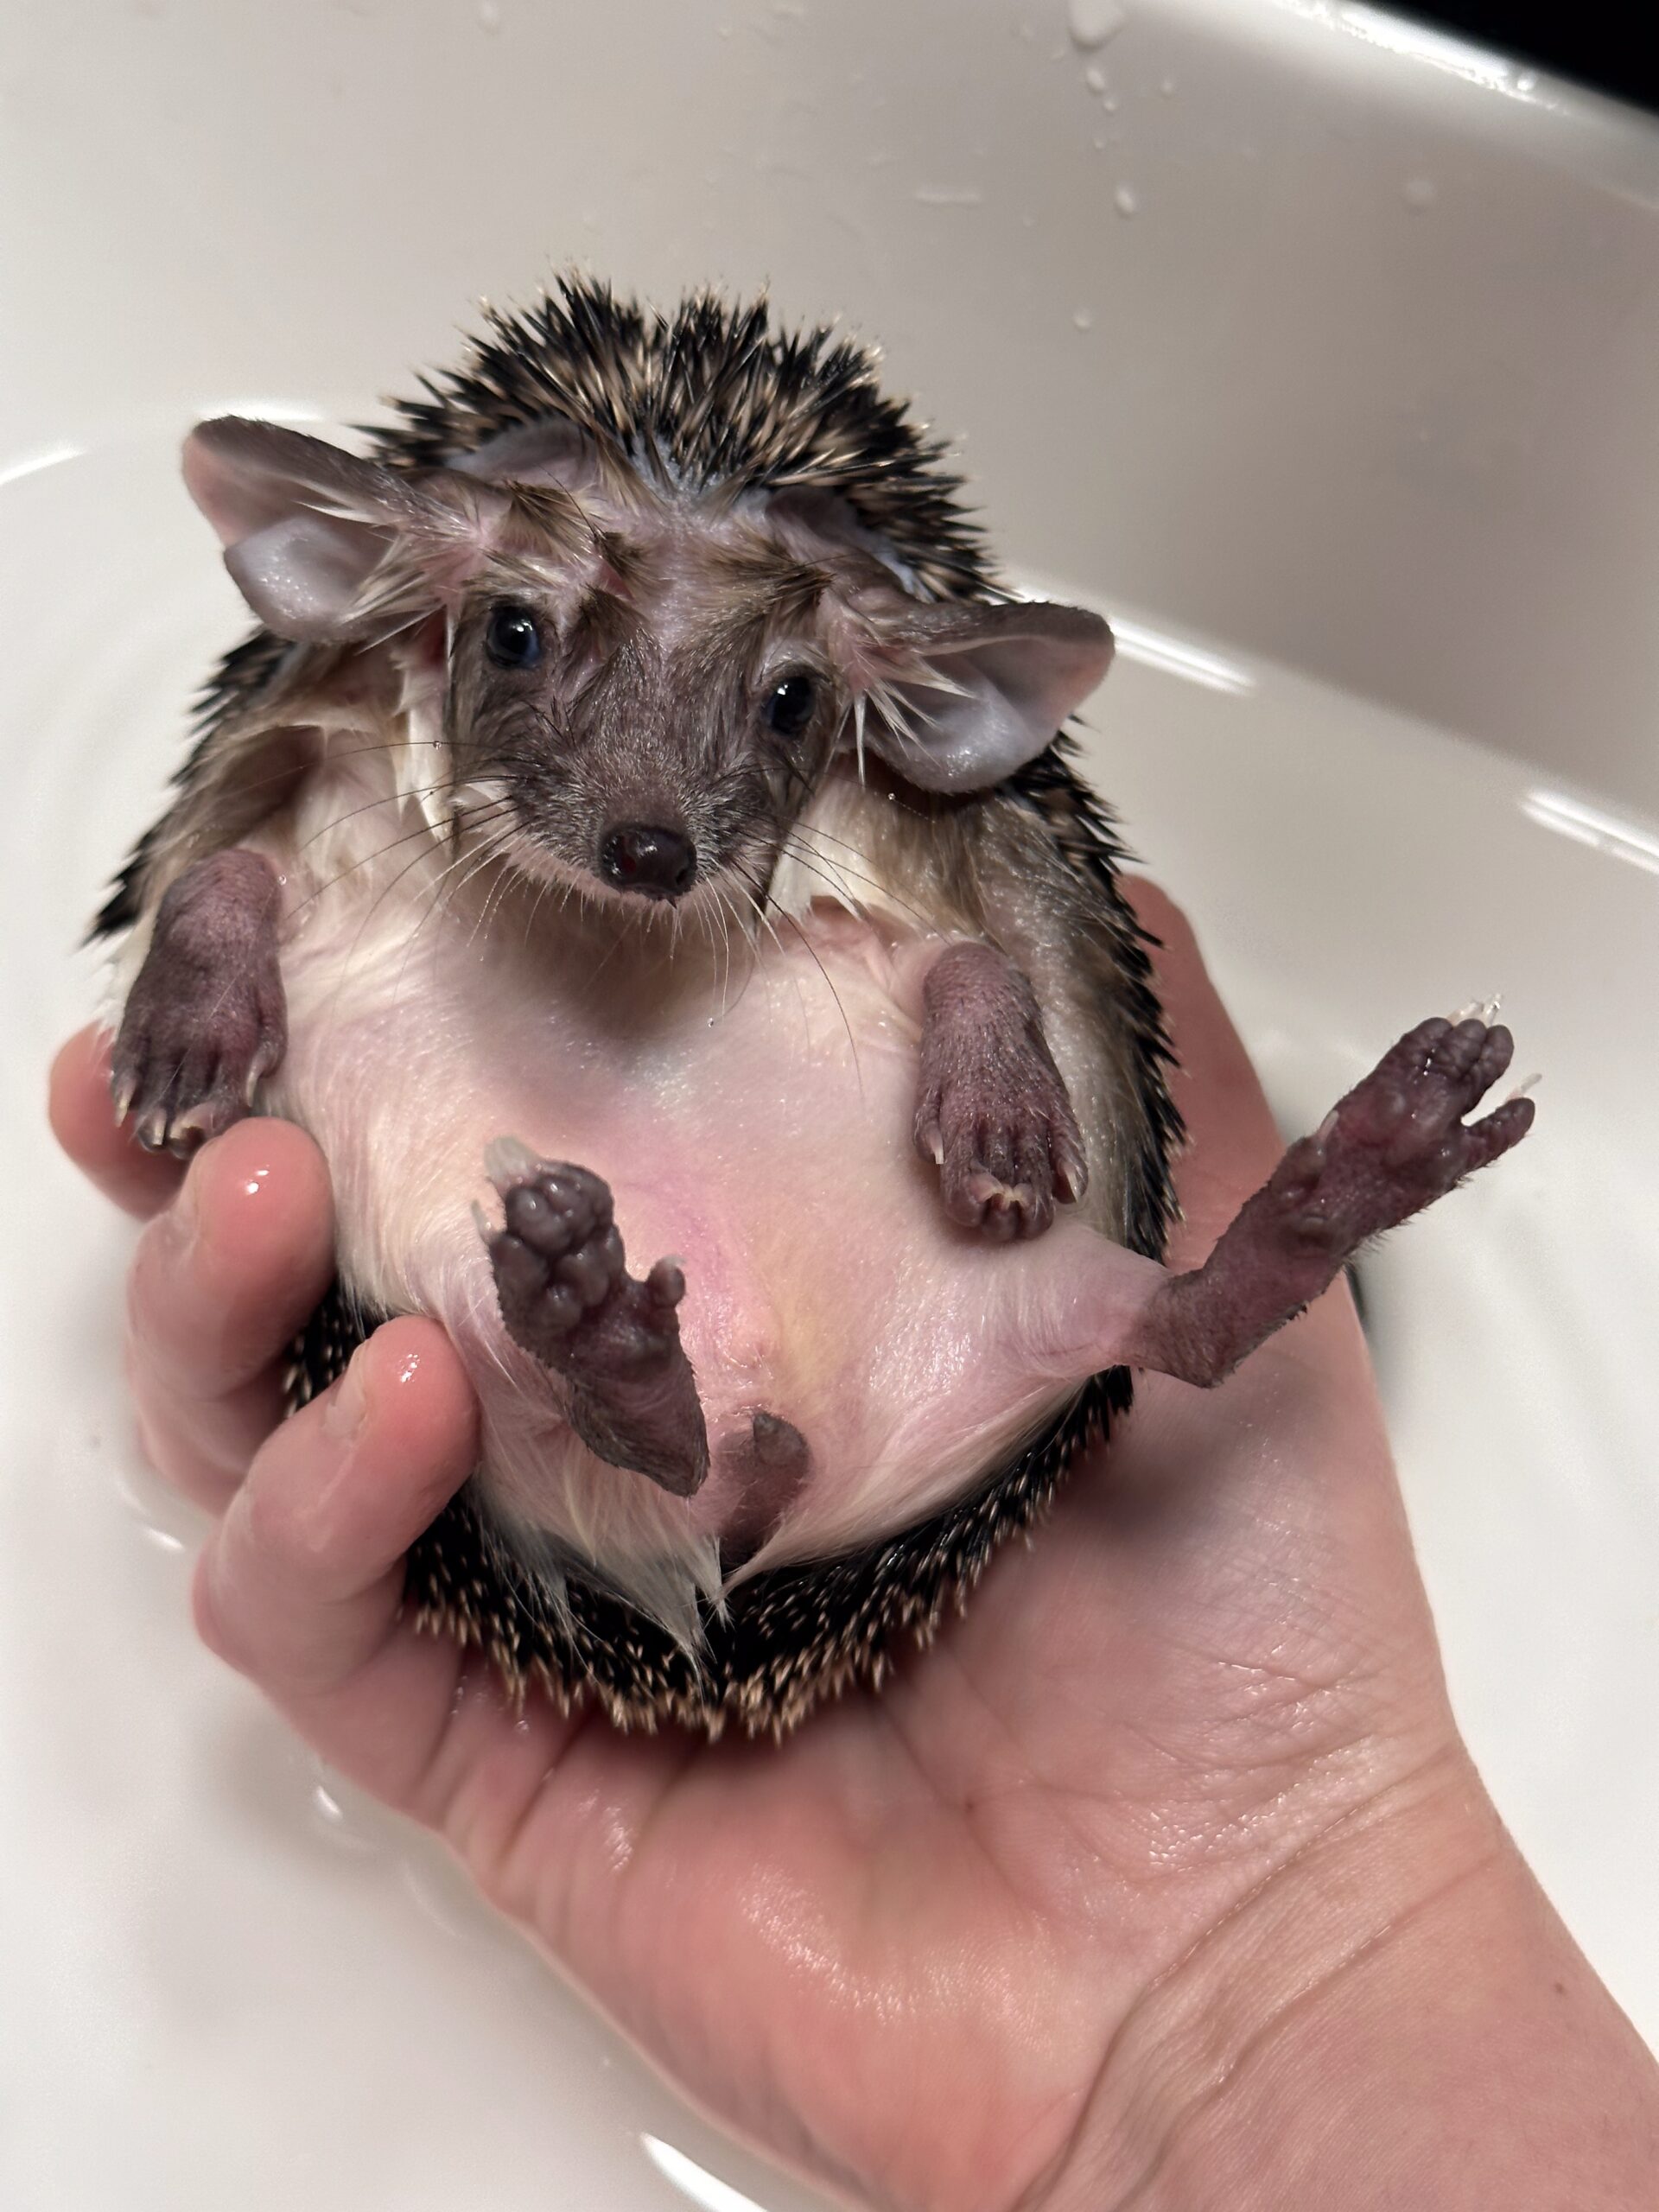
pixel 641 797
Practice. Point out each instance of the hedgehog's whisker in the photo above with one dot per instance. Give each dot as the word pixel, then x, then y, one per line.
pixel 732 919
pixel 387 798
pixel 811 951
pixel 385 890
pixel 445 887
pixel 824 862
pixel 499 891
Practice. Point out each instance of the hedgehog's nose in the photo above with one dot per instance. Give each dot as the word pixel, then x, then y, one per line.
pixel 636 857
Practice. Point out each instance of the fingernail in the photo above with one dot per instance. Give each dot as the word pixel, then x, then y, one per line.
pixel 187 1206
pixel 346 1407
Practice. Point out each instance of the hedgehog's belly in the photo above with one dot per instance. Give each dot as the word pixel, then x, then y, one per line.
pixel 762 1135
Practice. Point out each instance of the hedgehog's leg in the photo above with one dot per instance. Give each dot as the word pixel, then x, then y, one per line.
pixel 567 1297
pixel 205 1017
pixel 993 1112
pixel 1394 1145
pixel 764 1469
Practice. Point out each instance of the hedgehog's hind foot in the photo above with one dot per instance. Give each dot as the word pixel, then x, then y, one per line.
pixel 1398 1140
pixel 568 1299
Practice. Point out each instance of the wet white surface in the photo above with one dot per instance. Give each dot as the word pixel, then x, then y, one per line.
pixel 228 1981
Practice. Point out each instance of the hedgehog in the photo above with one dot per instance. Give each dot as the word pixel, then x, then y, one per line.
pixel 643 824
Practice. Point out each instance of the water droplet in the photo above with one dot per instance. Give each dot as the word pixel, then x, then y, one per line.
pixel 1095 77
pixel 1100 142
pixel 1083 320
pixel 1092 23
pixel 1125 199
pixel 489 14
pixel 342 1828
pixel 947 195
pixel 1168 88
pixel 1111 105
pixel 1421 192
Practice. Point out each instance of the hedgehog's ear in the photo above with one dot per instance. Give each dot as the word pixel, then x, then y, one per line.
pixel 305 526
pixel 549 449
pixel 960 695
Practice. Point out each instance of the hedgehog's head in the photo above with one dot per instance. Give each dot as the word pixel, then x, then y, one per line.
pixel 646 681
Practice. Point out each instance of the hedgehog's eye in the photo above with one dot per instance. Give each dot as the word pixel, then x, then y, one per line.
pixel 789 709
pixel 512 639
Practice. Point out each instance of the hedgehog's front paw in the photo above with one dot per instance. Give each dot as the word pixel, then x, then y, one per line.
pixel 192 1050
pixel 205 1017
pixel 567 1297
pixel 991 1112
pixel 1001 1132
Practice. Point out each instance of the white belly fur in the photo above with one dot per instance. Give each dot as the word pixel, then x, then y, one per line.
pixel 753 1118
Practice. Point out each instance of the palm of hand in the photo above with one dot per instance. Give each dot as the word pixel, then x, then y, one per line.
pixel 909 1949
pixel 953 1900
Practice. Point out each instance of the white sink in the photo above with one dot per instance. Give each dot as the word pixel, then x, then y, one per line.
pixel 1316 350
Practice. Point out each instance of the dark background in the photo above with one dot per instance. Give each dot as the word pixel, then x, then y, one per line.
pixel 1611 44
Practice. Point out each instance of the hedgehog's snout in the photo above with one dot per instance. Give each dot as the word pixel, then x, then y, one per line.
pixel 657 862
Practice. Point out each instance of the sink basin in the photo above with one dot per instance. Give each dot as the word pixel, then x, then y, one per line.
pixel 1316 350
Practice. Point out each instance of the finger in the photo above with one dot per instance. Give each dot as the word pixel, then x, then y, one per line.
pixel 300 1586
pixel 202 1448
pixel 221 1282
pixel 1232 1144
pixel 83 1120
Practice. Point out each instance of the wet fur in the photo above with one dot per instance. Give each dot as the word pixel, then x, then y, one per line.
pixel 351 759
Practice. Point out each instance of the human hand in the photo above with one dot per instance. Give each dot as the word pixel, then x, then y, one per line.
pixel 1124 1893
